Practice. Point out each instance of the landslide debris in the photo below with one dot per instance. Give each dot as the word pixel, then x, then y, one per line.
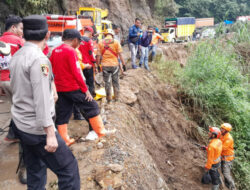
pixel 152 149
pixel 153 146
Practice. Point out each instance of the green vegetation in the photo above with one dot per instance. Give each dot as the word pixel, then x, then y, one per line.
pixel 26 7
pixel 219 9
pixel 214 85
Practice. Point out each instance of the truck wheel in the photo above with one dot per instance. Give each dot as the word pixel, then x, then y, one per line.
pixel 173 40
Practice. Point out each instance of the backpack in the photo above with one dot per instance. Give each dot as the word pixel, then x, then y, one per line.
pixel 106 47
pixel 5 56
pixel 206 178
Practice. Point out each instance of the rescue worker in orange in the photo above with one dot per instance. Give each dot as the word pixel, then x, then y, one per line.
pixel 109 50
pixel 227 154
pixel 214 150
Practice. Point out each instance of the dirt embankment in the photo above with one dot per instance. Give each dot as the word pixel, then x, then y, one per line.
pixel 152 148
pixel 153 144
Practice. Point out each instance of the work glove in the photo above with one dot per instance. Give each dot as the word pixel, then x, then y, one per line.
pixel 203 148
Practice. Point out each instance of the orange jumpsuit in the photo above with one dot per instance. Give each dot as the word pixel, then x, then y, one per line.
pixel 227 147
pixel 213 153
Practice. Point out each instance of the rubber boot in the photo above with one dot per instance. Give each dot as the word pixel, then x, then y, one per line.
pixel 215 187
pixel 97 125
pixel 63 131
pixel 116 93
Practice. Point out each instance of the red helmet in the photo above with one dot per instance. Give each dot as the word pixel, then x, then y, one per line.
pixel 216 131
pixel 89 28
pixel 226 126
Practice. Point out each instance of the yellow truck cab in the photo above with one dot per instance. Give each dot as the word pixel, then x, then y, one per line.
pixel 178 29
pixel 97 14
pixel 106 24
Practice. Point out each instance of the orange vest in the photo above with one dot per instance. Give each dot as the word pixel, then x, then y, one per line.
pixel 227 147
pixel 213 153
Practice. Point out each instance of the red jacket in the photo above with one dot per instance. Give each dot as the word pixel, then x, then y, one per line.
pixel 15 43
pixel 87 50
pixel 66 69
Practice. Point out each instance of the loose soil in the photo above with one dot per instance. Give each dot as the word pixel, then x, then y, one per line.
pixel 152 148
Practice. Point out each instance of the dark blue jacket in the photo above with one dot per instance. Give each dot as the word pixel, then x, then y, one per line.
pixel 133 32
pixel 146 39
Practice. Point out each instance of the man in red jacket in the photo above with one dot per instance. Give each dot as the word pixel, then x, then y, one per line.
pixel 13 36
pixel 71 87
pixel 87 50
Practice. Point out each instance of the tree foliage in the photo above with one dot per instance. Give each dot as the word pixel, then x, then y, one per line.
pixel 219 9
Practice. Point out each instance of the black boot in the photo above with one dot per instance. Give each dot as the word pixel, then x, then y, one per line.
pixel 22 175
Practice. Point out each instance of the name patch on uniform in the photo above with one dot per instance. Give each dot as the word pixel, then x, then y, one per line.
pixel 45 69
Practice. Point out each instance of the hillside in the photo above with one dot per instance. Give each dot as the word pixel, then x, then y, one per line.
pixel 152 149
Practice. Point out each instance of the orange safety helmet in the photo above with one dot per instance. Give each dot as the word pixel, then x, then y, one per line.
pixel 216 131
pixel 226 126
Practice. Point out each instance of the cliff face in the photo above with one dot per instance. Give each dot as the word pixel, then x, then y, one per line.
pixel 121 12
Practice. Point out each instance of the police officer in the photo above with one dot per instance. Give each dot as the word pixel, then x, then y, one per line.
pixel 33 111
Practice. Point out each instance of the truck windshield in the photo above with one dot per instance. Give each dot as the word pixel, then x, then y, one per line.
pixel 165 30
pixel 87 13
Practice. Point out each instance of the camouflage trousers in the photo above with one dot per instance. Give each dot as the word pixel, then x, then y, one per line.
pixel 111 74
pixel 226 170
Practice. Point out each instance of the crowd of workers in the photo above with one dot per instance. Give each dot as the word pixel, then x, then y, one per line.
pixel 44 93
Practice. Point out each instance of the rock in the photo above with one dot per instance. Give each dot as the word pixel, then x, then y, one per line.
pixel 128 97
pixel 160 183
pixel 115 167
pixel 110 188
pixel 99 145
pixel 106 180
pixel 103 141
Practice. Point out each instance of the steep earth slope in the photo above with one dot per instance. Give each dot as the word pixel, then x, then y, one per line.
pixel 152 148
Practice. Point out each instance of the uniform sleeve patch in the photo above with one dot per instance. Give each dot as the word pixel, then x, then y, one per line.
pixel 45 69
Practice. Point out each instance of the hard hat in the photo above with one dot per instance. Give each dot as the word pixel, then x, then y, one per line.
pixel 5 48
pixel 110 31
pixel 216 131
pixel 226 126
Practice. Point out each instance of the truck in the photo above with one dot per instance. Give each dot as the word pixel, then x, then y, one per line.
pixel 58 23
pixel 243 18
pixel 204 22
pixel 99 17
pixel 178 29
pixel 204 28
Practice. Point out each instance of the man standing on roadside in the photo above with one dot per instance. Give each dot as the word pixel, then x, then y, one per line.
pixel 145 42
pixel 33 112
pixel 134 39
pixel 13 37
pixel 155 40
pixel 227 154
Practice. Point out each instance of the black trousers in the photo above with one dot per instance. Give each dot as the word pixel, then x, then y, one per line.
pixel 37 160
pixel 215 175
pixel 64 106
pixel 89 75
